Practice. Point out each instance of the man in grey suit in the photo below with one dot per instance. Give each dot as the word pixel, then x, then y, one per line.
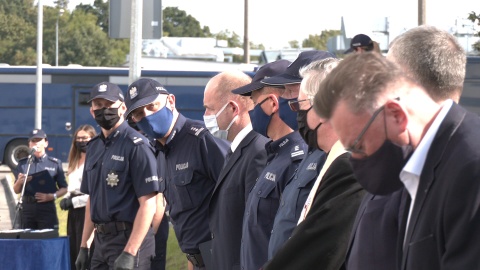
pixel 226 116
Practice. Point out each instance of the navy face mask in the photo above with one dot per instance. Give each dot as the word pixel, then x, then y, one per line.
pixel 286 114
pixel 157 124
pixel 260 120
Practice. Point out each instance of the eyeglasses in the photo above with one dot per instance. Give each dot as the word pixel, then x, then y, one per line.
pixel 295 104
pixel 353 148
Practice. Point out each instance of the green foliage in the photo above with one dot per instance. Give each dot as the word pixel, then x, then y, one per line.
pixel 177 23
pixel 232 38
pixel 319 42
pixel 294 44
pixel 474 17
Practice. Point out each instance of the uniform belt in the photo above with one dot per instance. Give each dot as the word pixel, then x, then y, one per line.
pixel 195 259
pixel 29 199
pixel 113 227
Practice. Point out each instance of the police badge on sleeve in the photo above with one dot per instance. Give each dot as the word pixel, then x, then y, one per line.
pixel 112 179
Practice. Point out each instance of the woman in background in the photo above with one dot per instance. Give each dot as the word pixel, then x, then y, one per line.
pixel 75 201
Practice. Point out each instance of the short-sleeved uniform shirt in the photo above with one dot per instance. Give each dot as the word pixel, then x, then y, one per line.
pixel 293 199
pixel 192 158
pixel 284 156
pixel 51 164
pixel 118 170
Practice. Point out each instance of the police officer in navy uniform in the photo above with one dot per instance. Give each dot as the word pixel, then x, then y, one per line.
pixel 298 188
pixel 284 154
pixel 121 178
pixel 39 211
pixel 191 156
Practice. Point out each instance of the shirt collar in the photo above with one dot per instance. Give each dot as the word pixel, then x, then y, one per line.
pixel 179 123
pixel 114 135
pixel 240 136
pixel 282 143
pixel 417 161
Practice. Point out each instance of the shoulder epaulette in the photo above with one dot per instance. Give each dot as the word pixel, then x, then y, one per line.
pixel 54 159
pixel 196 130
pixel 297 152
pixel 137 140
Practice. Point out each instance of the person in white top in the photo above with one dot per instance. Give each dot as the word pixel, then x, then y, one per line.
pixel 75 201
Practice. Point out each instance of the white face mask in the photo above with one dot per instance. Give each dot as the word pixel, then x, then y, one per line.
pixel 212 125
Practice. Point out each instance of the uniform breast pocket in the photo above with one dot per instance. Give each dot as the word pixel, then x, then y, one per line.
pixel 267 203
pixel 303 188
pixel 184 197
pixel 116 174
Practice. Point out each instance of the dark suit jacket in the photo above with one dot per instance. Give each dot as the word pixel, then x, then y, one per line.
pixel 374 238
pixel 321 240
pixel 444 228
pixel 228 200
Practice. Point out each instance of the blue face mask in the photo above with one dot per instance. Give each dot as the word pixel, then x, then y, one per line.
pixel 156 125
pixel 286 114
pixel 260 120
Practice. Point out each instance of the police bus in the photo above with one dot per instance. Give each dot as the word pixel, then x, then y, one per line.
pixel 65 92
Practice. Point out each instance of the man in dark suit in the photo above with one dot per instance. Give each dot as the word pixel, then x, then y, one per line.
pixel 230 120
pixel 399 136
pixel 435 59
pixel 320 240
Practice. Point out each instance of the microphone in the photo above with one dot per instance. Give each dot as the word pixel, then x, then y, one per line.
pixel 32 150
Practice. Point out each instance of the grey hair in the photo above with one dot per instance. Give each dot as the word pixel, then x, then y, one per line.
pixel 432 57
pixel 359 80
pixel 316 72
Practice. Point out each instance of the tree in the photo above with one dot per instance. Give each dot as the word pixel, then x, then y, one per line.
pixel 294 44
pixel 85 43
pixel 100 9
pixel 475 17
pixel 177 23
pixel 319 42
pixel 232 38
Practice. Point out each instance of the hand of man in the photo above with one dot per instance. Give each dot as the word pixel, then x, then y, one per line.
pixel 66 204
pixel 124 262
pixel 82 259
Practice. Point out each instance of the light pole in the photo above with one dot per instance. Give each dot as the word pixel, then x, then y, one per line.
pixel 60 13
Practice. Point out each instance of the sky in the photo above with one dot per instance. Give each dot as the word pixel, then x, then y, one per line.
pixel 275 22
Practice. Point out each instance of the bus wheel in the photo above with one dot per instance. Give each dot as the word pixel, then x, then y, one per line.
pixel 15 150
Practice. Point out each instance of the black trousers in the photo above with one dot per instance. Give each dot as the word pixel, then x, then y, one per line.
pixel 159 262
pixel 75 219
pixel 39 216
pixel 109 246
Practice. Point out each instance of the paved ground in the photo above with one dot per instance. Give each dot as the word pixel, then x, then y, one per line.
pixel 7 199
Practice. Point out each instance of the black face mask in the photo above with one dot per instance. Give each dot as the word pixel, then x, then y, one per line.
pixel 106 117
pixel 379 173
pixel 82 146
pixel 308 135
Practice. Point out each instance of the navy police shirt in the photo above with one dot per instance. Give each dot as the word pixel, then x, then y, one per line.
pixel 118 170
pixel 50 164
pixel 284 156
pixel 293 199
pixel 192 158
